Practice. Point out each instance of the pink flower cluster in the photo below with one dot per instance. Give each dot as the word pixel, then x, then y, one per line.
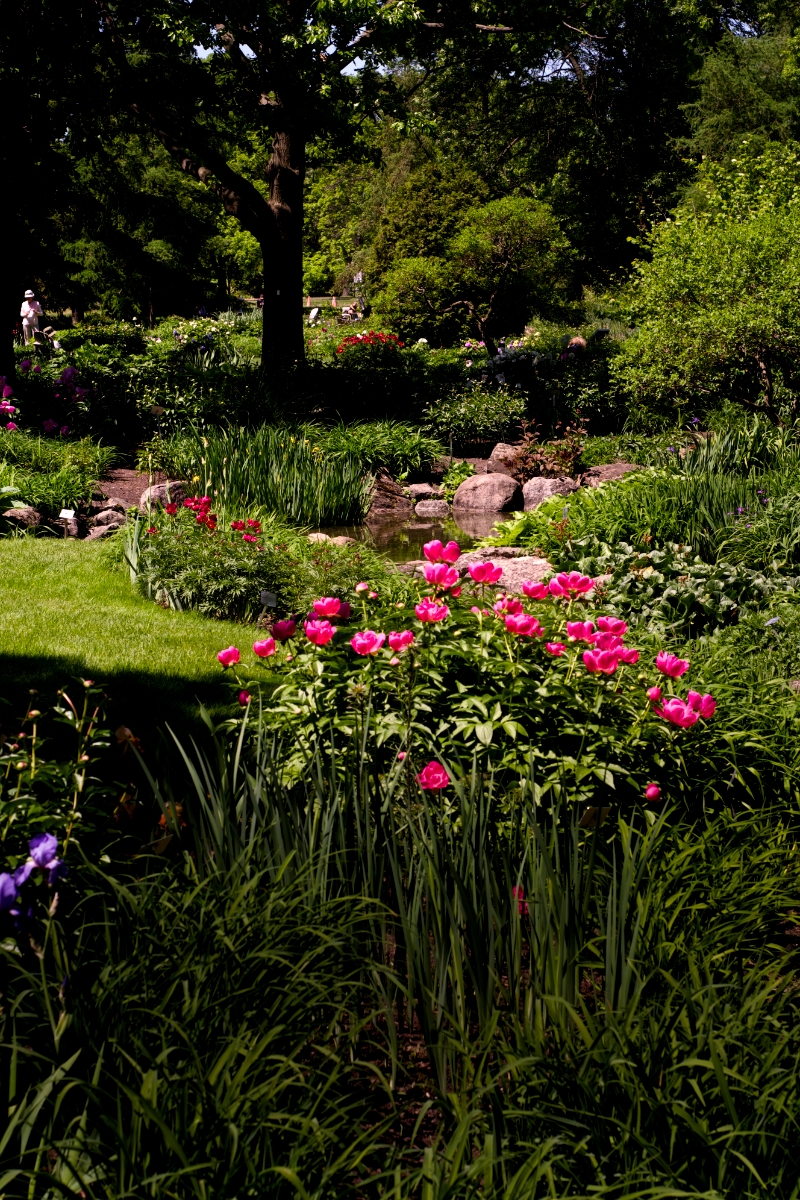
pixel 332 606
pixel 684 713
pixel 566 584
pixel 201 507
pixel 435 552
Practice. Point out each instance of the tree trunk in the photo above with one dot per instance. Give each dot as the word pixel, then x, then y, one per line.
pixel 282 342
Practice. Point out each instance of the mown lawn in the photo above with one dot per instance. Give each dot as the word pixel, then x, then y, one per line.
pixel 64 612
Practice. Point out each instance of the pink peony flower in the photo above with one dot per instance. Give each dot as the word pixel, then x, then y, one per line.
pixel 25 366
pixel 64 430
pixel 603 661
pixel 37 370
pixel 265 648
pixel 705 705
pixel 506 604
pixel 328 606
pixel 372 595
pixel 433 551
pixel 394 661
pixel 366 641
pixel 283 630
pixel 319 632
pixel 10 426
pixel 485 572
pixel 670 664
pixel 362 587
pixel 428 610
pixel 244 698
pixel 612 625
pixel 581 631
pixel 401 641
pixel 555 648
pixel 237 526
pixel 652 791
pixel 522 904
pixel 629 655
pixel 8 392
pixel 170 509
pixel 7 409
pixel 249 537
pixel 536 591
pixel 654 694
pixel 607 641
pixel 523 625
pixel 229 657
pixel 451 552
pixel 677 712
pixel 441 576
pixel 50 426
pixel 433 777
pixel 572 584
pixel 401 755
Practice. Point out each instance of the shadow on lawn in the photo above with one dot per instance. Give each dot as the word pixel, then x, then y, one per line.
pixel 146 703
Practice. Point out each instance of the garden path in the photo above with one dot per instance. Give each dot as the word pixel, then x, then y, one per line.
pixel 125 483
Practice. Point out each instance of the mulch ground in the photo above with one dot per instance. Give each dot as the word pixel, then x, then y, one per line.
pixel 127 484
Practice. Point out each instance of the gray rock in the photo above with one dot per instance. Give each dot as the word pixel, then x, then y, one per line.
pixel 432 508
pixel 23 518
pixel 412 567
pixel 516 571
pixel 424 491
pixel 488 493
pixel 174 491
pixel 342 540
pixel 607 471
pixel 538 489
pixel 101 531
pixel 501 460
pixel 109 516
pixel 489 554
pixel 113 502
pixel 318 537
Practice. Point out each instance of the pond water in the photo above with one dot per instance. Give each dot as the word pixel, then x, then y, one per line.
pixel 403 539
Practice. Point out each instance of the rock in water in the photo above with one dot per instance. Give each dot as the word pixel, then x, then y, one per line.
pixel 389 499
pixel 432 508
pixel 488 493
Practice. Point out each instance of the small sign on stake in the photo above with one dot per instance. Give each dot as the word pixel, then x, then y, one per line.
pixel 66 516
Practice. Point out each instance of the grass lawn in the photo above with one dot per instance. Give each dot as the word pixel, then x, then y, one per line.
pixel 66 612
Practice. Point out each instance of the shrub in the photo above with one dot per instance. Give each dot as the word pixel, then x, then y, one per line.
pixel 220 566
pixel 477 414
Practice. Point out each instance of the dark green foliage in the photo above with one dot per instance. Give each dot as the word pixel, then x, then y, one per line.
pixel 746 90
pixel 220 575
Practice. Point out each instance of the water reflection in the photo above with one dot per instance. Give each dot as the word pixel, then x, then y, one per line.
pixel 403 539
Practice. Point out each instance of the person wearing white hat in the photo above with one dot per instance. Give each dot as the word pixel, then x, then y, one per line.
pixel 30 312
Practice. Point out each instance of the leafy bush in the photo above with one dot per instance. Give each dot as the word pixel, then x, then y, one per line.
pixel 716 301
pixel 675 591
pixel 477 414
pixel 212 568
pixel 52 474
pixel 397 446
pixel 124 337
pixel 454 476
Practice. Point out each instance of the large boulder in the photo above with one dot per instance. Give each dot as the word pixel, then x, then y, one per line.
pixel 502 459
pixel 538 489
pixel 388 500
pixel 488 493
pixel 607 471
pixel 113 502
pixel 436 509
pixel 101 531
pixel 23 518
pixel 174 491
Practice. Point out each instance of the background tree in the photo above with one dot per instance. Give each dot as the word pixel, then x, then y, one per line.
pixel 719 303
pixel 508 257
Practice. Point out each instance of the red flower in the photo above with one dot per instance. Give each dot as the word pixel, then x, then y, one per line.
pixel 433 777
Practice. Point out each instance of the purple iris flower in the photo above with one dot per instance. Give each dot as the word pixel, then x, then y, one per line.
pixel 8 892
pixel 42 849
